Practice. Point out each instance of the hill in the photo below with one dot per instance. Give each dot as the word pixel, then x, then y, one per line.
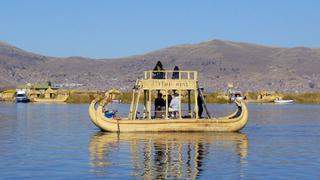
pixel 251 67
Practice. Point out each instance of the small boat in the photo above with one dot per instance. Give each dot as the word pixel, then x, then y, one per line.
pixel 21 96
pixel 107 120
pixel 283 101
pixel 234 94
pixel 237 98
pixel 49 100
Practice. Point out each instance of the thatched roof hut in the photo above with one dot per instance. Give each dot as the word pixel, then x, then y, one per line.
pixel 113 93
pixel 33 93
pixel 8 95
pixel 50 93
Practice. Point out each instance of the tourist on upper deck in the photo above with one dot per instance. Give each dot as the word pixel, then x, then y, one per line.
pixel 175 74
pixel 175 105
pixel 158 71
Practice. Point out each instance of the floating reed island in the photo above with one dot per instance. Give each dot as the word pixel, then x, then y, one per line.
pixel 47 94
pixel 41 93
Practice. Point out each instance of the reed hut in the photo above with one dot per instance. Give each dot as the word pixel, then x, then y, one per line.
pixel 34 94
pixel 113 93
pixel 8 95
pixel 50 93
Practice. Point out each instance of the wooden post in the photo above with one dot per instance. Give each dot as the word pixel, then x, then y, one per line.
pixel 132 104
pixel 149 104
pixel 167 104
pixel 137 105
pixel 204 102
pixel 180 104
pixel 144 103
pixel 196 103
pixel 189 102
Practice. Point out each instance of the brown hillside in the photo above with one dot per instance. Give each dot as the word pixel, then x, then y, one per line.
pixel 251 67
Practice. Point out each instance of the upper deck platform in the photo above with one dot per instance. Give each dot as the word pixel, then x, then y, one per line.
pixel 169 80
pixel 167 74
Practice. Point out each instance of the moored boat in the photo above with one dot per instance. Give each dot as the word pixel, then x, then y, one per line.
pixel 168 121
pixel 21 96
pixel 283 101
pixel 54 100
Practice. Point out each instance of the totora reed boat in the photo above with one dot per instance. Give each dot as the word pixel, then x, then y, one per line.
pixel 168 117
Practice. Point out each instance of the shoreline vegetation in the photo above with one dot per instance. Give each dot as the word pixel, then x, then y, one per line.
pixel 85 96
pixel 251 97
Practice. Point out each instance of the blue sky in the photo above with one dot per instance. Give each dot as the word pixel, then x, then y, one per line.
pixel 106 29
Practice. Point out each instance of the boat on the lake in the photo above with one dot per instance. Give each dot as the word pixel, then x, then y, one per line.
pixel 170 117
pixel 54 100
pixel 234 94
pixel 283 101
pixel 21 96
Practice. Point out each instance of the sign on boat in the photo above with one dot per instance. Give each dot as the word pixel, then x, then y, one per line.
pixel 169 117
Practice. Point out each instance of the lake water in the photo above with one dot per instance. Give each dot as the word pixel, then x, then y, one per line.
pixel 43 141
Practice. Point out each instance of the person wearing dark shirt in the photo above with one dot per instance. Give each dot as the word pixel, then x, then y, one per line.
pixel 175 74
pixel 200 106
pixel 159 105
pixel 169 98
pixel 158 71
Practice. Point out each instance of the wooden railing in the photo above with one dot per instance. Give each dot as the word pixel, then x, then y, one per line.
pixel 171 74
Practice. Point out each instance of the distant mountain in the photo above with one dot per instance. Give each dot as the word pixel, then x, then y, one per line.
pixel 250 67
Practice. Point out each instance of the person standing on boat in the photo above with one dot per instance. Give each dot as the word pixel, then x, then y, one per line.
pixel 200 106
pixel 175 74
pixel 158 71
pixel 169 99
pixel 159 105
pixel 200 102
pixel 175 105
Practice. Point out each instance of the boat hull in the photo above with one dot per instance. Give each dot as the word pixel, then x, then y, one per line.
pixel 231 123
pixel 39 100
pixel 283 101
pixel 22 100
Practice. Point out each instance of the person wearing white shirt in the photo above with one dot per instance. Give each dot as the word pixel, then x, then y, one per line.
pixel 175 105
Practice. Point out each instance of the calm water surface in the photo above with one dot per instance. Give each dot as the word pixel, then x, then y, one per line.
pixel 43 141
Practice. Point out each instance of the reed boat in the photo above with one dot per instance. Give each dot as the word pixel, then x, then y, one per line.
pixel 150 121
pixel 55 100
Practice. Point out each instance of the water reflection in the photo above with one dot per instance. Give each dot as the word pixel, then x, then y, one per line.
pixel 163 155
